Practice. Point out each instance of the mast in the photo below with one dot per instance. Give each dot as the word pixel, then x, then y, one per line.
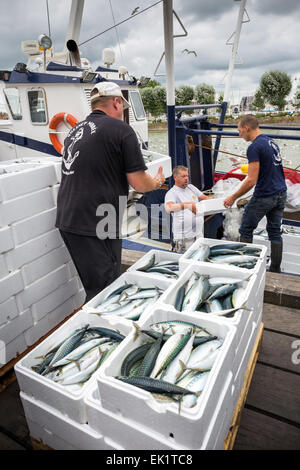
pixel 169 62
pixel 75 18
pixel 234 50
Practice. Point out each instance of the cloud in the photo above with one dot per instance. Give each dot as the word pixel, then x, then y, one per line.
pixel 267 42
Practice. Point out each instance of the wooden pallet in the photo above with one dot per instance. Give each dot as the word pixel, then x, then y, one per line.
pixel 236 419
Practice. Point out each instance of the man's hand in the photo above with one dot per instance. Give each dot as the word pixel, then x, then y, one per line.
pixel 229 201
pixel 159 176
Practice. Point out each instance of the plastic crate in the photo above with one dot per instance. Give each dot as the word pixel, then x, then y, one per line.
pixel 68 400
pixel 189 427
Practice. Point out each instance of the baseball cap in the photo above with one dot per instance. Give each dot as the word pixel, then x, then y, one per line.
pixel 108 89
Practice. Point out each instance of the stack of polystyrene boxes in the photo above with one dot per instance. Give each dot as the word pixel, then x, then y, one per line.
pixel 109 414
pixel 246 321
pixel 39 285
pixel 291 250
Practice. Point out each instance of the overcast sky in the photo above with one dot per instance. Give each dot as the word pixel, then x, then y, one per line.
pixel 269 41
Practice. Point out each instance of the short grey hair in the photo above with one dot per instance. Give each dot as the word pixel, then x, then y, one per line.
pixel 179 168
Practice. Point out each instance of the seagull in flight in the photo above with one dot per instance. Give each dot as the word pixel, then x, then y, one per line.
pixel 134 11
pixel 189 52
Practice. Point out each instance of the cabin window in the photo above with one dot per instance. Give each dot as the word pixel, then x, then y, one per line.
pixel 12 96
pixel 37 106
pixel 137 105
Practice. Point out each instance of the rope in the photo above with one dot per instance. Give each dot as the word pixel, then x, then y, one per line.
pixel 117 34
pixel 242 156
pixel 121 22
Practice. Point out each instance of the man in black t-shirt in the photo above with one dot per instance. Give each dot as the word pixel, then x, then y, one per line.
pixel 101 157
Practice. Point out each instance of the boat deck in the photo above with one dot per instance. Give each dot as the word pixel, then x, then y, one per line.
pixel 271 415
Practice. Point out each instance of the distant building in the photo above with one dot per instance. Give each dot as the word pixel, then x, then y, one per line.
pixel 246 103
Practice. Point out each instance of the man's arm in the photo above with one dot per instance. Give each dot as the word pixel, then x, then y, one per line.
pixel 180 206
pixel 142 182
pixel 250 181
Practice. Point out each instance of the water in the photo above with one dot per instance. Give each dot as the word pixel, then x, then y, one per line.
pixel 290 149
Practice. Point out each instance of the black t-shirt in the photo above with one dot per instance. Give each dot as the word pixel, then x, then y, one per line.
pixel 98 152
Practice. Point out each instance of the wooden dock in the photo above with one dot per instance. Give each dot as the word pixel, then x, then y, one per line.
pixel 268 415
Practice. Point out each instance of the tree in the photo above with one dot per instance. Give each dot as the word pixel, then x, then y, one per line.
pixel 151 84
pixel 258 102
pixel 184 95
pixel 154 100
pixel 160 97
pixel 275 86
pixel 147 95
pixel 297 98
pixel 204 94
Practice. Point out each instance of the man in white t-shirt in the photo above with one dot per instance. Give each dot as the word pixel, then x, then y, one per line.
pixel 181 201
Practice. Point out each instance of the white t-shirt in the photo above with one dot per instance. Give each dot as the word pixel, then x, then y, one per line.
pixel 185 223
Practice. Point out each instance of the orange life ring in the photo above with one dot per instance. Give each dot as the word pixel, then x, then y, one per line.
pixel 57 119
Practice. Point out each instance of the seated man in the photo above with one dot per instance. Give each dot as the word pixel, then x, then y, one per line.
pixel 181 201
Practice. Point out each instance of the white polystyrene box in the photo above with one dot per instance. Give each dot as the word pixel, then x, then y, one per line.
pixel 8 310
pixel 159 256
pixel 25 206
pixel 54 299
pixel 127 433
pixel 46 160
pixel 69 400
pixel 11 285
pixel 13 328
pixel 48 322
pixel 189 427
pixel 44 264
pixel 33 249
pixel 243 363
pixel 20 179
pixel 52 426
pixel 31 227
pixel 11 350
pixel 240 316
pixel 6 239
pixel 222 417
pixel 3 267
pixel 212 206
pixel 140 279
pixel 158 160
pixel 39 289
pixel 185 260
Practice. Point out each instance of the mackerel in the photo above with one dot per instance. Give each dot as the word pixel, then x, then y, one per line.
pixel 196 294
pixel 68 345
pixel 169 351
pixel 150 358
pixel 148 265
pixel 222 291
pixel 197 384
pixel 134 356
pixel 203 356
pixel 155 386
pixel 177 326
pixel 176 368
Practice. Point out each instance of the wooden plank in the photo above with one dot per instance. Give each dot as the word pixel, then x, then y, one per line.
pixel 261 432
pixel 277 351
pixel 39 445
pixel 129 257
pixel 275 391
pixel 281 319
pixel 230 439
pixel 282 289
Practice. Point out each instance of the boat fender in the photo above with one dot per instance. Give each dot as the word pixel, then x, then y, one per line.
pixel 55 121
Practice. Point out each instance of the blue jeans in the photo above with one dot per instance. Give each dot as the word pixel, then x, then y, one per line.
pixel 272 207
